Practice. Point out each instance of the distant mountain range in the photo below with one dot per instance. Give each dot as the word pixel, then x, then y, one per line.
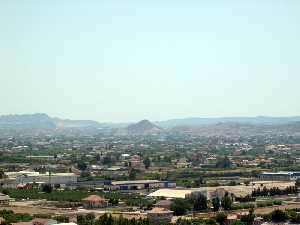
pixel 43 121
pixel 38 120
pixel 198 121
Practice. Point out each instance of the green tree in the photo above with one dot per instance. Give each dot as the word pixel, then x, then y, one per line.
pixel 85 174
pixel 297 183
pixel 294 217
pixel 47 188
pixel 62 219
pixel 221 218
pixel 198 182
pixel 132 174
pixel 180 206
pixel 147 162
pixel 248 219
pixel 5 191
pixel 210 222
pixel 247 182
pixel 224 163
pixel 216 204
pixel 199 201
pixel 82 165
pixel 98 157
pixel 279 216
pixel 226 202
pixel 237 222
pixel 2 174
pixel 113 201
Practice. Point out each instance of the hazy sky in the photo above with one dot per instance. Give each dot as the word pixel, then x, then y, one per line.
pixel 156 59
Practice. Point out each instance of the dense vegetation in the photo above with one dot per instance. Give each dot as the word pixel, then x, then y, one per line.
pixel 274 191
pixel 90 219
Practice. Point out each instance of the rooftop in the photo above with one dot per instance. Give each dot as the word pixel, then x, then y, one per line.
pixel 94 198
pixel 136 182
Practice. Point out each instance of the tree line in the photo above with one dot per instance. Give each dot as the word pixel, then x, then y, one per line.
pixel 90 219
pixel 274 191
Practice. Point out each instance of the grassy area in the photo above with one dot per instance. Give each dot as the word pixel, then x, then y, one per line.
pixel 73 196
pixel 70 196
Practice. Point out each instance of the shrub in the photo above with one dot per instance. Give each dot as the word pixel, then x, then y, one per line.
pixel 279 216
pixel 277 202
pixel 180 207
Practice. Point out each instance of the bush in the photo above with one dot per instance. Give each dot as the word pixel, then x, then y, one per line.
pixel 180 207
pixel 232 183
pixel 247 198
pixel 221 218
pixel 265 204
pixel 61 219
pixel 242 206
pixel 277 202
pixel 44 216
pixel 113 201
pixel 279 216
pixel 294 217
pixel 10 217
pixel 5 191
pixel 47 188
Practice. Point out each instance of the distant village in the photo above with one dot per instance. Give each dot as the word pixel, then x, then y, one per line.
pixel 148 175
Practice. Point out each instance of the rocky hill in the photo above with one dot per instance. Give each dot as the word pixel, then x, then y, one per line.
pixel 143 127
pixel 38 120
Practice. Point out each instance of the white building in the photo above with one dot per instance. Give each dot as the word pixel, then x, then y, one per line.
pixel 282 175
pixel 25 177
pixel 140 184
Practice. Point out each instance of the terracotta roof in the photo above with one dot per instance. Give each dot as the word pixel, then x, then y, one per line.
pixel 94 198
pixel 159 210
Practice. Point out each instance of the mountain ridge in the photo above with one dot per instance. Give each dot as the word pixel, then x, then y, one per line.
pixel 42 120
pixel 197 121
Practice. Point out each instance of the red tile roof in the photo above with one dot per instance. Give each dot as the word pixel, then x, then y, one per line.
pixel 94 198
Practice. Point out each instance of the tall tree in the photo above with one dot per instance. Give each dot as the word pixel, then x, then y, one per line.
pixel 199 202
pixel 2 174
pixel 226 202
pixel 147 162
pixel 216 203
pixel 248 219
pixel 180 206
pixel 82 165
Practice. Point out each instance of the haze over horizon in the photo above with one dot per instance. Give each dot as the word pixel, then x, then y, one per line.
pixel 123 61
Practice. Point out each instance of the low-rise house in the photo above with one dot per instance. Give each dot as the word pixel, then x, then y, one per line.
pixel 160 216
pixel 136 162
pixel 94 201
pixel 4 200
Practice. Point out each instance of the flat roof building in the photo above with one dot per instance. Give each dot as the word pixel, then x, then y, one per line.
pixel 282 175
pixel 140 184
